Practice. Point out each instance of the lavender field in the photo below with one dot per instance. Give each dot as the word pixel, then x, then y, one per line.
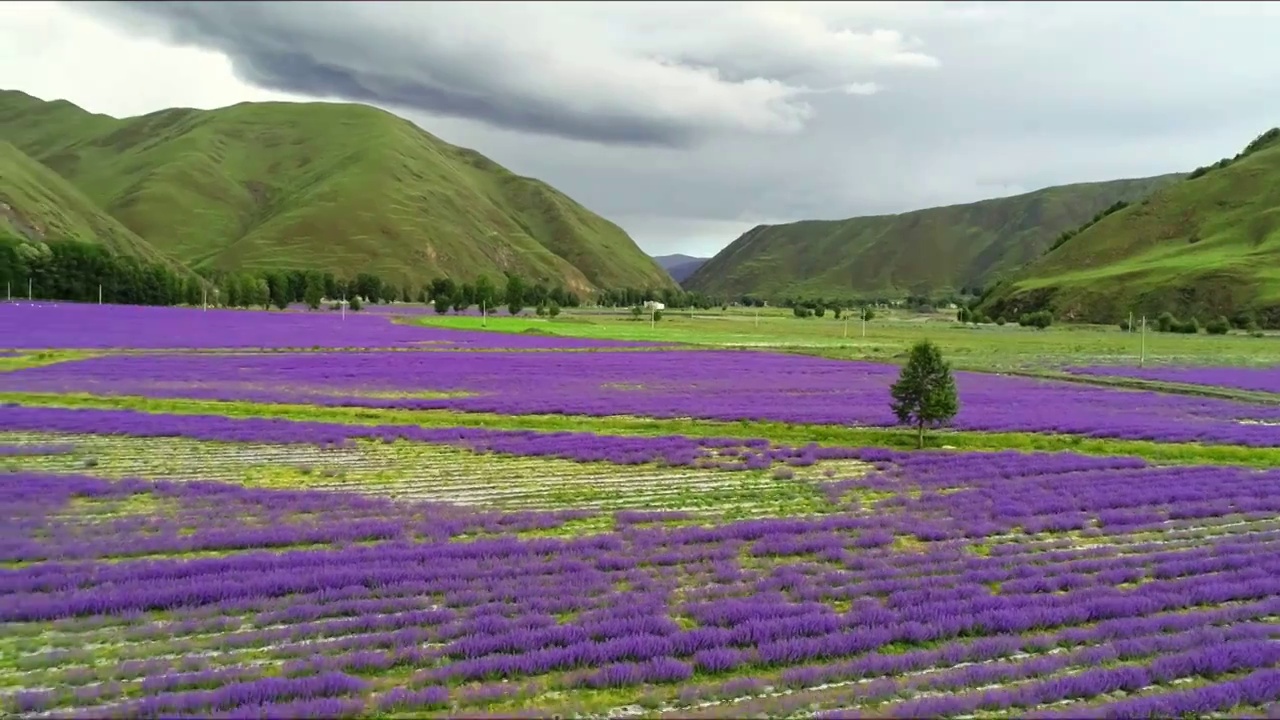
pixel 1257 379
pixel 289 514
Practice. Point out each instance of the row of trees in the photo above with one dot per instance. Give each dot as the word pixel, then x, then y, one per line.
pixel 82 272
pixel 1264 140
pixel 1039 320
pixel 1115 207
pixel 864 312
pixel 515 294
pixel 73 270
pixel 77 271
pixel 1167 322
pixel 670 297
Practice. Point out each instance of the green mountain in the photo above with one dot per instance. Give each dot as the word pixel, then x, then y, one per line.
pixel 924 251
pixel 1206 246
pixel 332 187
pixel 37 204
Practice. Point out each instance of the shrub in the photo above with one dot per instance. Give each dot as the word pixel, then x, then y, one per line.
pixel 1218 326
pixel 1243 319
pixel 355 303
pixel 553 309
pixel 1000 321
pixel 1039 320
pixel 540 311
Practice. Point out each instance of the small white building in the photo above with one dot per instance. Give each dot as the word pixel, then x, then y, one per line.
pixel 652 305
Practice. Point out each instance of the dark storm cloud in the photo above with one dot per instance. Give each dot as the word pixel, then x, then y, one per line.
pixel 546 71
pixel 297 73
pixel 703 119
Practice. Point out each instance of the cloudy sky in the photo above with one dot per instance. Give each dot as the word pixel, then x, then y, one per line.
pixel 688 123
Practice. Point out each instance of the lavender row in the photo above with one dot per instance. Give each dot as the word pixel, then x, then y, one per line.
pixel 1256 379
pixel 71 325
pixel 1124 641
pixel 652 605
pixel 679 450
pixel 987 494
pixel 975 662
pixel 132 591
pixel 720 385
pixel 1259 686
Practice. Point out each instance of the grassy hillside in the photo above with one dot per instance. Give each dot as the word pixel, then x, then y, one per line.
pixel 37 205
pixel 925 251
pixel 1206 246
pixel 338 187
pixel 680 267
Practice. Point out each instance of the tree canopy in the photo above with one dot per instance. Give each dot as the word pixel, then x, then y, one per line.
pixel 925 393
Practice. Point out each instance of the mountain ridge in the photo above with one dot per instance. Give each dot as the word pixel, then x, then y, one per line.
pixel 337 187
pixel 37 204
pixel 1206 246
pixel 922 251
pixel 680 266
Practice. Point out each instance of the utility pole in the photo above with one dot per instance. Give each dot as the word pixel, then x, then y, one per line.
pixel 864 322
pixel 1130 325
pixel 99 294
pixel 344 306
pixel 1142 357
pixel 653 319
pixel 846 326
pixel 484 315
pixel 204 298
pixel 28 289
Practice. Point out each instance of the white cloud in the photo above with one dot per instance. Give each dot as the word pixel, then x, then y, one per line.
pixel 52 51
pixel 860 89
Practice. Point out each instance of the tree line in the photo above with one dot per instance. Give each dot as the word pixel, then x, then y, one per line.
pixel 1115 207
pixel 77 271
pixel 1167 322
pixel 1261 142
pixel 670 297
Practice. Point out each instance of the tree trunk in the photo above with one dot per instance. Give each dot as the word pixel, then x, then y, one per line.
pixel 920 429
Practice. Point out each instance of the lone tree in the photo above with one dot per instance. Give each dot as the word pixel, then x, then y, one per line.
pixel 925 393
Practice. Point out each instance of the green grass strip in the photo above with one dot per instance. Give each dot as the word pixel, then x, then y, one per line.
pixel 34 359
